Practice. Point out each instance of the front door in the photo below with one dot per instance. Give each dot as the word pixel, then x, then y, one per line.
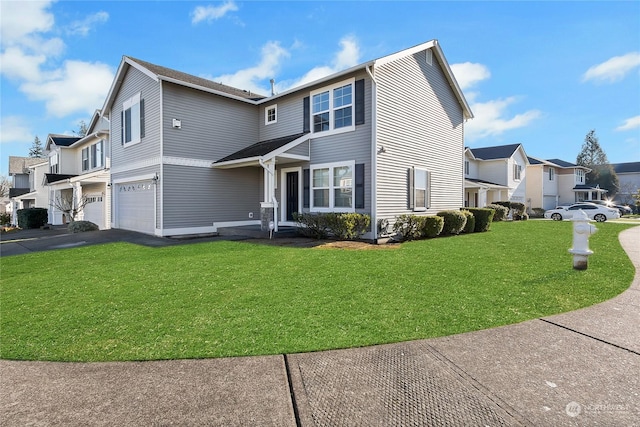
pixel 291 194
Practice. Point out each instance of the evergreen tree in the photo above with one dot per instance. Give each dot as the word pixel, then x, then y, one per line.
pixel 602 173
pixel 36 149
pixel 82 129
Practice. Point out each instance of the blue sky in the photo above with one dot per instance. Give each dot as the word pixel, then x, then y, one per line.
pixel 538 73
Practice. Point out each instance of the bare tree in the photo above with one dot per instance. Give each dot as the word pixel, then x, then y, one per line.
pixel 5 185
pixel 82 129
pixel 71 205
pixel 627 191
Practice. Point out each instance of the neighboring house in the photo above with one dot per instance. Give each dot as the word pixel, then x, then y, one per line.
pixel 629 177
pixel 191 156
pixel 495 174
pixel 79 173
pixel 554 182
pixel 23 191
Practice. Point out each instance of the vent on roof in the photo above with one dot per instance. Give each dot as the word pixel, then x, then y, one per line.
pixel 429 56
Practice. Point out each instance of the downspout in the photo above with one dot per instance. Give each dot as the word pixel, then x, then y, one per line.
pixel 374 154
pixel 271 187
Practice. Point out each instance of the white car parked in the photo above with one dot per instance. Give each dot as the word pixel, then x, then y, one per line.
pixel 596 212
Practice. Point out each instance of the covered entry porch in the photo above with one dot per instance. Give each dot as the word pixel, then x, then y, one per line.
pixel 478 193
pixel 280 160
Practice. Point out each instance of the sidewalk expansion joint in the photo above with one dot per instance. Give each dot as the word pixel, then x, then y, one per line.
pixel 590 336
pixel 467 379
pixel 291 393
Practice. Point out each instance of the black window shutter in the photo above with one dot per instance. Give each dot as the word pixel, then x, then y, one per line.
pixel 359 190
pixel 306 110
pixel 122 127
pixel 142 118
pixel 411 188
pixel 359 113
pixel 306 184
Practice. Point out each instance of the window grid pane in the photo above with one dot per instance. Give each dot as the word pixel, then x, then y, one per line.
pixel 321 198
pixel 320 102
pixel 342 197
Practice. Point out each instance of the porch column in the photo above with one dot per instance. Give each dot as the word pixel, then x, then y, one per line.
pixel 77 201
pixel 269 207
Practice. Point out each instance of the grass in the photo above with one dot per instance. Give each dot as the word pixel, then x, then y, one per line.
pixel 126 302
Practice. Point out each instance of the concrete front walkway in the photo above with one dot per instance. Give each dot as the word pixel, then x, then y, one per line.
pixel 574 369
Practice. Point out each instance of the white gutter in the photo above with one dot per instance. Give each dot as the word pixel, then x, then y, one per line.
pixel 374 153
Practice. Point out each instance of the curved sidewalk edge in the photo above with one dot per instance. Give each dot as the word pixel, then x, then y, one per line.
pixel 572 369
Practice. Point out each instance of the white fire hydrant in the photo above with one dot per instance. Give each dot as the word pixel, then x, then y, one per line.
pixel 582 229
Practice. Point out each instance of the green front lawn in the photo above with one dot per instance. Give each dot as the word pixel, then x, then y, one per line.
pixel 126 302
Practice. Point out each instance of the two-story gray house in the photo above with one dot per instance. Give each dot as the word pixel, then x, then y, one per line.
pixel 191 156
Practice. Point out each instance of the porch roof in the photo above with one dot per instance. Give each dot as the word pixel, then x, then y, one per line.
pixel 584 187
pixel 479 183
pixel 51 178
pixel 16 192
pixel 263 151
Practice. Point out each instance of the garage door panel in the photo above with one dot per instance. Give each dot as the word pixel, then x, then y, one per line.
pixel 136 206
pixel 94 210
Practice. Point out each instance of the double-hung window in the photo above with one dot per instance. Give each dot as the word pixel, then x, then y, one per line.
pixel 552 173
pixel 332 187
pixel 420 191
pixel 97 157
pixel 85 159
pixel 132 120
pixel 53 163
pixel 332 108
pixel 271 115
pixel 517 171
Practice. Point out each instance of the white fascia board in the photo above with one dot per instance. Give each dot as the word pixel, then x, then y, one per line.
pixel 470 152
pixel 208 90
pixel 405 52
pixel 90 176
pixel 119 78
pixel 88 138
pixel 287 147
pixel 238 163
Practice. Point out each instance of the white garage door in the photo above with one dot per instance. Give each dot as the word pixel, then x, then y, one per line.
pixel 134 208
pixel 94 210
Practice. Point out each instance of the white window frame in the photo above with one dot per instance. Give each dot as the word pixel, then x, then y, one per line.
pixel 552 174
pixel 517 172
pixel 332 187
pixel 467 167
pixel 85 159
pixel 332 109
pixel 273 108
pixel 130 104
pixel 580 176
pixel 418 186
pixel 53 163
pixel 97 156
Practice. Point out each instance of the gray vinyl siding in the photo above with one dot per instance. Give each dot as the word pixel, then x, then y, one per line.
pixel 149 146
pixel 420 123
pixel 198 197
pixel 212 126
pixel 300 149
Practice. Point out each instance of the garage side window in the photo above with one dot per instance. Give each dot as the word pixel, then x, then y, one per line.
pixel 132 120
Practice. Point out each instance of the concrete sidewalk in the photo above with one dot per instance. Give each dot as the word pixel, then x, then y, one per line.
pixel 574 369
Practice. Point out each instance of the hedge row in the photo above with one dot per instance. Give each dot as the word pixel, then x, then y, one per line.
pixel 344 226
pixel 32 217
pixel 413 227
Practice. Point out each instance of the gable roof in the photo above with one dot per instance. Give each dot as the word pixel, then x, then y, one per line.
pixel 629 167
pixel 20 165
pixel 61 140
pixel 158 73
pixel 493 153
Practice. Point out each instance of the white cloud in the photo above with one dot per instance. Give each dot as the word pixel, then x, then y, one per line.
pixel 15 64
pixel 348 56
pixel 613 69
pixel 212 13
pixel 490 119
pixel 76 87
pixel 84 26
pixel 468 74
pixel 630 123
pixel 249 78
pixel 15 129
pixel 15 27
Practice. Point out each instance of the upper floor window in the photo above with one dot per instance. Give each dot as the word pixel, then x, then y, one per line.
pixel 271 115
pixel 466 167
pixel 552 174
pixel 132 120
pixel 332 187
pixel 332 107
pixel 579 176
pixel 85 159
pixel 53 164
pixel 517 172
pixel 97 155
